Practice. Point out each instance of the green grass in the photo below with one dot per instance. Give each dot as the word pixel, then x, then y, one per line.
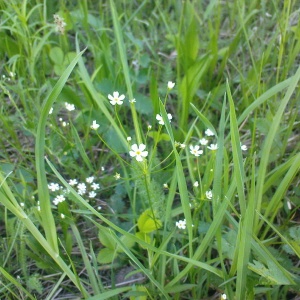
pixel 113 234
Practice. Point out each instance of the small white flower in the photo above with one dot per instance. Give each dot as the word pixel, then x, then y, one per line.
pixel 223 297
pixel 182 146
pixel 69 106
pixel 208 195
pixel 95 126
pixel 64 124
pixel 165 185
pixel 171 85
pixel 196 184
pixel 51 111
pixel 92 194
pixel 22 204
pixel 53 187
pixel 90 179
pixel 203 141
pixel 117 176
pixel 208 132
pixel 160 119
pixel 81 188
pixel 99 207
pixel 195 150
pixel 128 138
pixel 62 216
pixel 244 147
pixel 58 199
pixel 102 168
pixel 116 98
pixel 73 182
pixel 138 152
pixel 95 186
pixel 132 101
pixel 213 147
pixel 181 224
pixel 149 127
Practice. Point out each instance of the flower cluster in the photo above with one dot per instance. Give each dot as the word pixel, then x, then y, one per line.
pixel 60 24
pixel 89 188
pixel 160 120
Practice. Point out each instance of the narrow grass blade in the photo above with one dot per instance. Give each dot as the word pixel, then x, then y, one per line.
pixel 43 192
pixel 122 52
pixel 239 173
pixel 16 283
pixel 269 140
pixel 86 261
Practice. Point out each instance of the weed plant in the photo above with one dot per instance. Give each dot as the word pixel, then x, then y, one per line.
pixel 149 149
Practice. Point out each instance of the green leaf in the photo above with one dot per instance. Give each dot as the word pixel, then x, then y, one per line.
pixel 147 222
pixel 57 56
pixel 157 136
pixel 105 238
pixel 106 256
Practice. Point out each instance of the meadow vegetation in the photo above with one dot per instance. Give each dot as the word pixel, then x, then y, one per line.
pixel 149 149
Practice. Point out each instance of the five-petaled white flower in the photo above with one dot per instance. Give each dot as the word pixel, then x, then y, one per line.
pixel 213 147
pixel 160 119
pixel 95 186
pixel 171 85
pixel 58 199
pixel 53 187
pixel 92 194
pixel 69 106
pixel 132 101
pixel 203 141
pixel 208 132
pixel 196 184
pixel 116 98
pixel 117 176
pixel 138 152
pixel 90 179
pixel 95 126
pixel 181 224
pixel 72 182
pixel 195 150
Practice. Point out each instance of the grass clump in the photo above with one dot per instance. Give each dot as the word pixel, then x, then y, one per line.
pixel 149 150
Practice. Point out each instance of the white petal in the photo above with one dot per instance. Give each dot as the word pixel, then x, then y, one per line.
pixel 142 147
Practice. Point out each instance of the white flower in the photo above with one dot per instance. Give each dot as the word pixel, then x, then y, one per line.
pixel 60 24
pixel 213 147
pixel 128 138
pixel 95 126
pixel 244 147
pixel 138 152
pixel 117 176
pixel 116 98
pixel 132 101
pixel 171 85
pixel 99 207
pixel 208 132
pixel 95 186
pixel 203 141
pixel 81 188
pixel 196 184
pixel 181 224
pixel 62 216
pixel 149 127
pixel 58 199
pixel 223 297
pixel 165 185
pixel 182 146
pixel 160 119
pixel 69 106
pixel 195 150
pixel 208 195
pixel 51 111
pixel 92 194
pixel 90 179
pixel 73 182
pixel 53 187
pixel 22 204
